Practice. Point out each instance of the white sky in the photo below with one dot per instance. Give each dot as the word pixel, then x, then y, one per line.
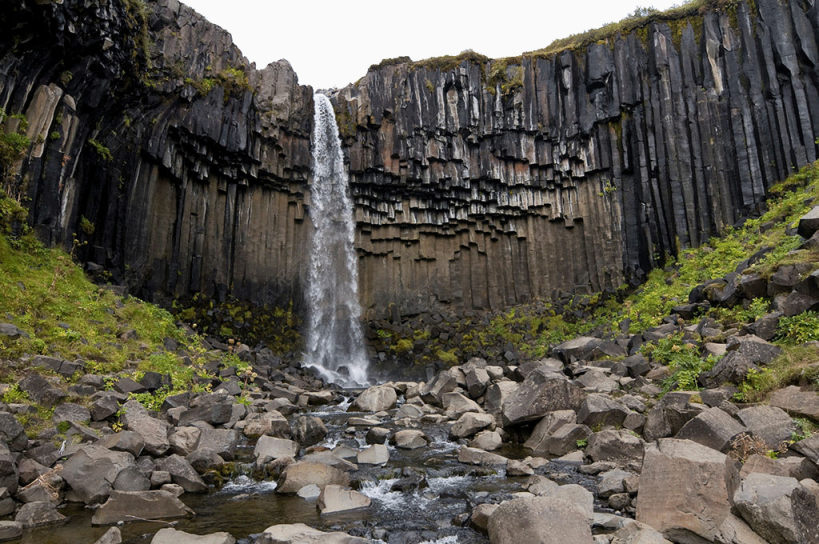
pixel 331 43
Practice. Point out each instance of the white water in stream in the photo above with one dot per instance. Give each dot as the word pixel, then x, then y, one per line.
pixel 335 344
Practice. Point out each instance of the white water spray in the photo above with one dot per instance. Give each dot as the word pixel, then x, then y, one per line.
pixel 335 344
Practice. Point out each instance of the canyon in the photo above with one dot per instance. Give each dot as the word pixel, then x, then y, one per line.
pixel 161 154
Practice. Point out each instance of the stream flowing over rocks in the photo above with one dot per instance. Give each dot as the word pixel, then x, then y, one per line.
pixel 578 447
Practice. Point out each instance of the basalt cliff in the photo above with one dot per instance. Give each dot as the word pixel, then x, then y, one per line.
pixel 166 158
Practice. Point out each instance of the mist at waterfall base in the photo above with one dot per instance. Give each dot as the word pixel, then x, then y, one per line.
pixel 335 343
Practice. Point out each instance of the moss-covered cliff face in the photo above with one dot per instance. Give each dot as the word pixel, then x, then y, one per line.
pixel 489 183
pixel 478 184
pixel 153 139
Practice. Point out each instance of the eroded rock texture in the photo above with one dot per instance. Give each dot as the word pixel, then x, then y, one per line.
pixel 209 158
pixel 484 187
pixel 478 184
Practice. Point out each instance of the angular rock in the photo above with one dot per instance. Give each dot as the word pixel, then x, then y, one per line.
pixel 409 439
pixel 600 409
pixel 433 392
pixel 41 390
pixel 309 430
pixel 377 454
pixel 182 473
pixel 183 440
pixel 271 423
pixel 68 411
pixel 38 514
pixel 475 456
pixel 616 446
pixel 299 533
pixel 9 530
pixel 486 440
pixel 124 441
pixel 153 431
pixel 470 423
pixel 772 425
pixel 679 474
pixel 540 393
pixel 778 508
pixel 809 223
pixel 335 498
pixel 477 379
pixel 377 398
pixel 456 404
pixel 223 441
pixel 172 536
pixel 139 506
pixel 713 428
pixel 12 432
pixel 297 475
pixel 269 448
pixel 539 520
pixel 92 471
pixel 797 402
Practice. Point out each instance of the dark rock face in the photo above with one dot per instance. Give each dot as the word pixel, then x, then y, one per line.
pixel 477 184
pixel 199 162
pixel 574 171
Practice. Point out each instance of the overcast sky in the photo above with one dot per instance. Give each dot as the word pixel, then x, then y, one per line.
pixel 332 43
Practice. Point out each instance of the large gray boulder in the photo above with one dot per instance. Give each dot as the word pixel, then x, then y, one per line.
pixel 778 508
pixel 153 431
pixel 433 392
pixel 297 475
pixel 308 430
pixel 470 423
pixel 269 448
pixel 797 402
pixel 38 514
pixel 377 398
pixel 770 424
pixel 539 520
pixel 271 423
pixel 182 473
pixel 139 506
pixel 686 490
pixel 540 393
pixel 92 471
pixel 556 434
pixel 618 446
pixel 599 409
pixel 172 536
pixel 713 428
pixel 809 223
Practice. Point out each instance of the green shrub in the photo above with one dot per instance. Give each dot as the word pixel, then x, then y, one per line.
pixel 799 329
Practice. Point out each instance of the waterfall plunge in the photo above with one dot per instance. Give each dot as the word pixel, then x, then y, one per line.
pixel 334 338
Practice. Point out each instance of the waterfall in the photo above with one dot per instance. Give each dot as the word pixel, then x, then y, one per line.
pixel 335 344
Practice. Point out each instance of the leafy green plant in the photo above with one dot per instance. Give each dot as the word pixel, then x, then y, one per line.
pixel 799 329
pixel 15 395
pixel 582 443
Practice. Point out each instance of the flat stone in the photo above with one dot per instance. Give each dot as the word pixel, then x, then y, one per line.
pixel 139 506
pixel 377 454
pixel 470 423
pixel 269 448
pixel 797 402
pixel 38 514
pixel 336 498
pixel 172 536
pixel 299 533
pixel 475 456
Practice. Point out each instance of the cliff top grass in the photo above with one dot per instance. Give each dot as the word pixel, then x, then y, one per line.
pixel 640 19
